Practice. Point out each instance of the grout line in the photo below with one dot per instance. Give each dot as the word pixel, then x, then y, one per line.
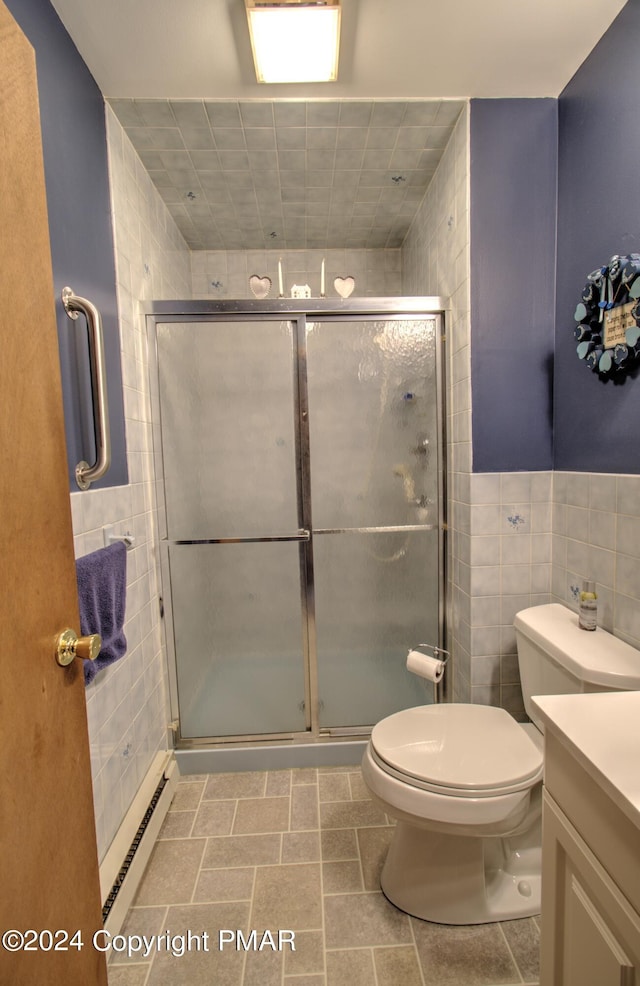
pixel 162 925
pixel 510 952
pixel 321 879
pixel 195 882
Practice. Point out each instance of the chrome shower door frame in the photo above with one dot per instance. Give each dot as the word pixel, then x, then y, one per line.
pixel 297 313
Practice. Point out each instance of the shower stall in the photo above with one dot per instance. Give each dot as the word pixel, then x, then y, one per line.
pixel 300 469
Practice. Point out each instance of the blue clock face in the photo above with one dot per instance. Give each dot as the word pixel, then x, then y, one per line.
pixel 607 329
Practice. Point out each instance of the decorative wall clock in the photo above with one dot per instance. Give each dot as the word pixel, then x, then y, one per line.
pixel 608 317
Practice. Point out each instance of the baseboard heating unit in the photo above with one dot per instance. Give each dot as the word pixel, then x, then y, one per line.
pixel 122 868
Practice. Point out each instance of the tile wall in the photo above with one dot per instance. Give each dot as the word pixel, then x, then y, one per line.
pixel 126 704
pixel 532 538
pixel 225 273
pixel 435 261
pixel 596 535
pixel 240 173
pixel 502 565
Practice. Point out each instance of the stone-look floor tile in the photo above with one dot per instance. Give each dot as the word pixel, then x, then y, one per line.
pixel 287 897
pixel 334 787
pixel 350 814
pixel 147 921
pixel 300 847
pixel 255 815
pixel 308 956
pixel 214 818
pixel 473 955
pixel 177 825
pixel 197 966
pixel 250 784
pixel 263 968
pixel 360 920
pixel 128 975
pixel 523 938
pixel 373 844
pixel 398 964
pixel 171 872
pixel 352 967
pixel 339 844
pixel 278 783
pixel 342 877
pixel 304 807
pixel 304 775
pixel 225 884
pixel 300 832
pixel 187 796
pixel 242 850
pixel 358 787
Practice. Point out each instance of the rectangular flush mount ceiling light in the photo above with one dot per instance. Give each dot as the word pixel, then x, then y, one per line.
pixel 295 40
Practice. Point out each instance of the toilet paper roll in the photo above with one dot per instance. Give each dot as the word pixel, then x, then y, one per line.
pixel 426 667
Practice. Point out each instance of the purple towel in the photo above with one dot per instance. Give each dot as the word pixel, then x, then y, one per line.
pixel 102 583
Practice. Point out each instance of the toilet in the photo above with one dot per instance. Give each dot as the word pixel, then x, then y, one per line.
pixel 464 782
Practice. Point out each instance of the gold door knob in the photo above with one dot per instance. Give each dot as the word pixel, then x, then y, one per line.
pixel 69 645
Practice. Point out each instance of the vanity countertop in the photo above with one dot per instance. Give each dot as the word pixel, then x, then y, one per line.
pixel 602 731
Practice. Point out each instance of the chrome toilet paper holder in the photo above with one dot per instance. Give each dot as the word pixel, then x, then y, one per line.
pixel 438 653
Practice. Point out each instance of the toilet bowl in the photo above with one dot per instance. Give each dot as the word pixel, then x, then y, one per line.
pixel 464 785
pixel 464 782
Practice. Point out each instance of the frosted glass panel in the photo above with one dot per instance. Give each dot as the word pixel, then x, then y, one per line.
pixel 376 597
pixel 238 638
pixel 227 418
pixel 235 456
pixel 373 423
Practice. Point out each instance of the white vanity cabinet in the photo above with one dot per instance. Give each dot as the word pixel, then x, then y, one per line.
pixel 591 841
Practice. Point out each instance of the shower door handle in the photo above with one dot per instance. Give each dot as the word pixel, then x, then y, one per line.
pixel 302 535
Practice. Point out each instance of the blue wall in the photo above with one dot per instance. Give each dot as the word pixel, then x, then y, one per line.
pixel 75 160
pixel 513 228
pixel 596 421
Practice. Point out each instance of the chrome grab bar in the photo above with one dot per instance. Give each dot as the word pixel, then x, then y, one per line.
pixel 86 474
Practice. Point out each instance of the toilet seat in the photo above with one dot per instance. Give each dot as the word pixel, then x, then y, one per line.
pixel 459 750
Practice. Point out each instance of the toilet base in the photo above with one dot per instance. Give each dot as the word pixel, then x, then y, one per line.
pixel 452 879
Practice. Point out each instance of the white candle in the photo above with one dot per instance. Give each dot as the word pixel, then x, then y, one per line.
pixel 280 287
pixel 322 279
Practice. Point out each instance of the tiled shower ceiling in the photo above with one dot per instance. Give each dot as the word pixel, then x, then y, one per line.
pixel 290 175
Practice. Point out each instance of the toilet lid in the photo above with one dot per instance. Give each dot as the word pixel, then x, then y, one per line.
pixel 457 746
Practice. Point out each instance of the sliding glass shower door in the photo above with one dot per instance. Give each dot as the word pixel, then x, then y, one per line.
pixel 301 467
pixel 228 400
pixel 373 405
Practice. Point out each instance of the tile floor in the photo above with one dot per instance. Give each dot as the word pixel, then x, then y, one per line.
pixel 295 850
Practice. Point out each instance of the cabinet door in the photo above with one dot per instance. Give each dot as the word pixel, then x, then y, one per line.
pixel 590 932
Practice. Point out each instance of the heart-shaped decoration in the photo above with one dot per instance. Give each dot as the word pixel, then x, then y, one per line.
pixel 260 286
pixel 344 286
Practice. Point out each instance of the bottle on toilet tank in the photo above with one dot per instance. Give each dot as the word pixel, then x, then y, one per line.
pixel 588 611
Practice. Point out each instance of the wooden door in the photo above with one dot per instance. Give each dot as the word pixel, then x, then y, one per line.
pixel 48 857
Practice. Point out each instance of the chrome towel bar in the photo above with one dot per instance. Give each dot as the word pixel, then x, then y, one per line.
pixel 86 474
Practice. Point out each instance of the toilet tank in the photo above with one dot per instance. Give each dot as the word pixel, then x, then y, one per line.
pixel 556 657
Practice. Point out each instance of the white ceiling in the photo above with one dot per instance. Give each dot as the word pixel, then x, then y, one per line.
pixel 199 49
